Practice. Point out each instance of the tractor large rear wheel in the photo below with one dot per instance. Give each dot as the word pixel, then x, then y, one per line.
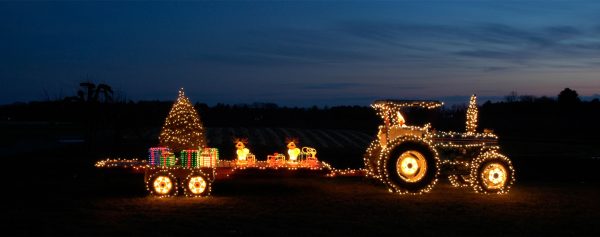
pixel 409 167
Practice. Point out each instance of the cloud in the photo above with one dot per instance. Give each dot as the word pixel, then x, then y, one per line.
pixel 290 46
pixel 480 46
pixel 332 86
pixel 494 41
pixel 353 85
pixel 563 31
pixel 505 34
pixel 495 69
pixel 398 34
pixel 489 54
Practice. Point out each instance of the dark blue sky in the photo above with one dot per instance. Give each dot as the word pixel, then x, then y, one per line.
pixel 300 53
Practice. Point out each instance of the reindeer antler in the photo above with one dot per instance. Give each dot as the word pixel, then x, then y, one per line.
pixel 291 139
pixel 241 139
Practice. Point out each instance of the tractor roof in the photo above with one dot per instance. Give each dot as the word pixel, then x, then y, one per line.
pixel 399 104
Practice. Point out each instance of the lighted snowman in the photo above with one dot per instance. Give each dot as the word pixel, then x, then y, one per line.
pixel 293 152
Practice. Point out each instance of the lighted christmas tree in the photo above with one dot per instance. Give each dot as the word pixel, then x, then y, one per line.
pixel 472 115
pixel 183 128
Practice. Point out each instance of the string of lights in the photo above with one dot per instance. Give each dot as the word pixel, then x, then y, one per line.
pixel 472 115
pixel 183 128
pixel 393 158
pixel 407 159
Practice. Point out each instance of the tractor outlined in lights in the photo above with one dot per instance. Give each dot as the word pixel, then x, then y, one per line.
pixel 411 159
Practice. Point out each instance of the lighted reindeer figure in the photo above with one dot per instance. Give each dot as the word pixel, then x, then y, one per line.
pixel 244 157
pixel 293 151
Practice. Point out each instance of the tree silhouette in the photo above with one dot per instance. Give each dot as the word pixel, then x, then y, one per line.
pixel 568 96
pixel 104 90
pixel 91 93
pixel 183 128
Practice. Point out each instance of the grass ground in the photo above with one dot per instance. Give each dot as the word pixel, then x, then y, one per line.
pixel 60 193
pixel 114 203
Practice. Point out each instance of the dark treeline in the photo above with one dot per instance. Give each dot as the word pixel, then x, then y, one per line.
pixel 153 113
pixel 526 115
pixel 564 118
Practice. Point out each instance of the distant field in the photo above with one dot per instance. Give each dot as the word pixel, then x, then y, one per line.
pixel 341 147
pixel 322 138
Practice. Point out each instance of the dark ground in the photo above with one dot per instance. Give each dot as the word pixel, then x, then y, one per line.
pixel 67 196
pixel 52 189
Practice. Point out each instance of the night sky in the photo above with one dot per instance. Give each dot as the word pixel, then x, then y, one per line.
pixel 300 53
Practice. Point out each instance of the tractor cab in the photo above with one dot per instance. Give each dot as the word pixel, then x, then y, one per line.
pixel 394 123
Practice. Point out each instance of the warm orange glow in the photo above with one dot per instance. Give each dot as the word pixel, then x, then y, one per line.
pixel 401 120
pixel 472 115
pixel 182 128
pixel 411 166
pixel 242 152
pixel 197 185
pixel 293 152
pixel 494 176
pixel 162 185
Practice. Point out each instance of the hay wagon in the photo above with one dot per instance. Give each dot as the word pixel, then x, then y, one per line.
pixel 193 172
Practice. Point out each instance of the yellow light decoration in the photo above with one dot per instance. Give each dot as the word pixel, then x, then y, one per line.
pixel 411 166
pixel 401 120
pixel 472 159
pixel 244 157
pixel 492 173
pixel 388 179
pixel 242 152
pixel 385 108
pixel 370 159
pixel 162 185
pixel 197 185
pixel 472 115
pixel 121 163
pixel 293 152
pixel 183 128
pixel 209 157
pixel 163 173
pixel 459 181
pixel 276 160
pixel 494 176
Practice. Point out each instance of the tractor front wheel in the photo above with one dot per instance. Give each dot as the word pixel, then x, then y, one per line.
pixel 492 173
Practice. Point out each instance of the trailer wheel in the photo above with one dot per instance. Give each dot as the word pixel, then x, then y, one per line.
pixel 492 173
pixel 162 184
pixel 197 185
pixel 370 158
pixel 409 167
